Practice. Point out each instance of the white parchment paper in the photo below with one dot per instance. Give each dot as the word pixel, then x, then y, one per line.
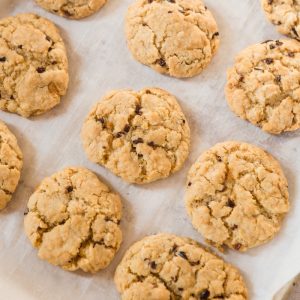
pixel 100 61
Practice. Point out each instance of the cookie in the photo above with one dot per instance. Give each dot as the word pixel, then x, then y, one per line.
pixel 33 65
pixel 73 220
pixel 166 266
pixel 73 9
pixel 284 14
pixel 178 38
pixel 263 86
pixel 237 196
pixel 11 162
pixel 140 136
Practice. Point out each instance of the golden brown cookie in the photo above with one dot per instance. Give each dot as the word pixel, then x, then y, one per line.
pixel 178 38
pixel 140 136
pixel 165 266
pixel 237 196
pixel 11 162
pixel 73 220
pixel 33 65
pixel 263 85
pixel 72 9
pixel 284 14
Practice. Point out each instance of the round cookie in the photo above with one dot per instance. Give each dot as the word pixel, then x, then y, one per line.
pixel 166 266
pixel 178 38
pixel 73 220
pixel 284 14
pixel 263 86
pixel 237 196
pixel 73 9
pixel 33 65
pixel 140 136
pixel 11 162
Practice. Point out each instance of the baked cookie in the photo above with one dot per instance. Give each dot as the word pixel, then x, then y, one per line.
pixel 73 220
pixel 177 37
pixel 263 86
pixel 140 136
pixel 33 65
pixel 11 162
pixel 237 196
pixel 284 14
pixel 166 266
pixel 73 9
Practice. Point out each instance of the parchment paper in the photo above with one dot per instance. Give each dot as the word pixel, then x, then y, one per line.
pixel 100 61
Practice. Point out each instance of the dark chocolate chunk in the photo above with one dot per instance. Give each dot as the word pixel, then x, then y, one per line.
pixel 41 69
pixel 204 295
pixel 69 189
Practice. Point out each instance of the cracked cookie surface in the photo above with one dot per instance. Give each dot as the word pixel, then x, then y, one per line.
pixel 11 162
pixel 73 9
pixel 285 15
pixel 140 136
pixel 73 220
pixel 166 266
pixel 237 196
pixel 263 85
pixel 178 38
pixel 33 65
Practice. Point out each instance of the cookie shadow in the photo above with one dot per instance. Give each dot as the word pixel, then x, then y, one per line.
pixel 24 188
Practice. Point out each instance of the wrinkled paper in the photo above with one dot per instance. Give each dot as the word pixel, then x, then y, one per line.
pixel 100 61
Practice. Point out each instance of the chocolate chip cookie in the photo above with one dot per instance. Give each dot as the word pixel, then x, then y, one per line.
pixel 73 220
pixel 140 136
pixel 284 14
pixel 166 266
pixel 11 162
pixel 263 86
pixel 237 196
pixel 72 9
pixel 178 38
pixel 33 65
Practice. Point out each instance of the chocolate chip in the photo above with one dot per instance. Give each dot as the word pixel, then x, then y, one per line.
pixel 138 110
pixel 152 144
pixel 230 203
pixel 204 295
pixel 272 47
pixel 291 54
pixel 2 58
pixel 215 34
pixel 277 78
pixel 67 13
pixel 126 128
pixel 48 38
pixel 278 43
pixel 153 265
pixel 69 189
pixel 180 289
pixel 234 227
pixel 182 254
pixel 267 41
pixel 237 246
pixel 101 120
pixel 140 155
pixel 12 97
pixel 161 62
pixel 119 134
pixel 241 78
pixel 183 121
pixel 41 69
pixel 270 2
pixel 219 158
pixel 269 61
pixel 20 46
pixel 189 184
pixel 138 141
